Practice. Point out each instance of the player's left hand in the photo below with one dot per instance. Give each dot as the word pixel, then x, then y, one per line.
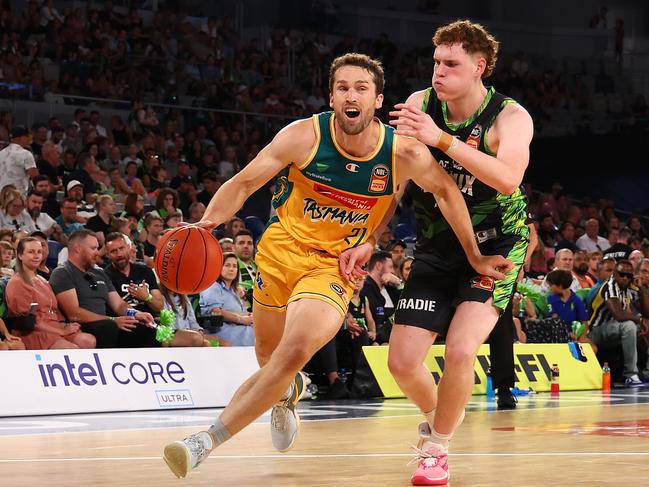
pixel 495 266
pixel 412 122
pixel 352 260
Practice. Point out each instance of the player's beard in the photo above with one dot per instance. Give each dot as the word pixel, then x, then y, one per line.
pixel 357 128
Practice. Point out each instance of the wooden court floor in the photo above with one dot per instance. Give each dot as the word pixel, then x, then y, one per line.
pixel 581 438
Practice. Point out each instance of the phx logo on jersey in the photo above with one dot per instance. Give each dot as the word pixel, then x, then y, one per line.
pixel 474 137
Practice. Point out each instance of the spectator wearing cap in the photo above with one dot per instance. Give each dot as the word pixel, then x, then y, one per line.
pixel 621 249
pixel 397 249
pixel 13 214
pixel 17 164
pixel 591 240
pixel 84 210
pixel 183 170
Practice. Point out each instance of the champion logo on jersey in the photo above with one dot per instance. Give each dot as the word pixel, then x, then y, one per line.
pixel 351 167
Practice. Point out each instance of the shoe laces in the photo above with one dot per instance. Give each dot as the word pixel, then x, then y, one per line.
pixel 428 458
pixel 196 448
pixel 278 417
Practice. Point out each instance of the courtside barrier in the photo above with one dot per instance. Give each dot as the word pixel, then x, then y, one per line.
pixel 81 381
pixel 532 367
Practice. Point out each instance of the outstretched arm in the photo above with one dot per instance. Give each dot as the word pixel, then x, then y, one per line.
pixel 416 161
pixel 292 144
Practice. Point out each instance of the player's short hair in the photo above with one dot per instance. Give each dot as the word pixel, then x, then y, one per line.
pixel 474 39
pixel 374 66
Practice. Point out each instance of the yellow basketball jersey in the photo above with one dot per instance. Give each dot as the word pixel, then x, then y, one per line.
pixel 333 200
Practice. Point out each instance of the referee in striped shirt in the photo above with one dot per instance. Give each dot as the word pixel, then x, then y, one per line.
pixel 617 319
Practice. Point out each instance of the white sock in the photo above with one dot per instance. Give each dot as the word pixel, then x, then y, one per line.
pixel 218 434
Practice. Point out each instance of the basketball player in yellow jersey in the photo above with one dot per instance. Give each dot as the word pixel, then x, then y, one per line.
pixel 343 171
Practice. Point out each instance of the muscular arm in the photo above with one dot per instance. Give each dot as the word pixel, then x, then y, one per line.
pixel 510 137
pixel 620 314
pixel 292 144
pixel 416 162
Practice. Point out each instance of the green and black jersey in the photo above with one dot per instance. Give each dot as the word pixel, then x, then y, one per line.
pixel 492 213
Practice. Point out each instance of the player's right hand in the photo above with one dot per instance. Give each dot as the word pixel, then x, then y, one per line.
pixel 352 261
pixel 495 266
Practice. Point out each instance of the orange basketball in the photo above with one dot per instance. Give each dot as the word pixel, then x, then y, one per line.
pixel 188 259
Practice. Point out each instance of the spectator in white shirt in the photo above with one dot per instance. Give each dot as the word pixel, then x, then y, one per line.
pixel 591 240
pixel 17 164
pixel 13 214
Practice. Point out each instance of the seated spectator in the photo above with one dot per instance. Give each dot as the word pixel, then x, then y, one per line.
pixel 621 249
pixel 134 211
pixel 84 209
pixel 380 304
pixel 566 237
pixel 13 214
pixel 86 294
pixel 43 271
pixel 547 232
pixel 42 221
pixel 580 269
pixel 244 248
pixel 173 219
pixel 102 221
pixel 132 181
pixel 615 321
pixel 404 268
pixel 196 212
pixel 591 240
pixel 25 288
pixel 227 244
pixel 605 269
pixel 188 332
pixel 166 203
pixel 7 254
pixel 566 305
pixel 223 298
pixel 360 315
pixel 9 341
pixel 86 167
pixel 153 227
pixel 211 182
pixel 636 258
pixel 397 250
pixel 593 262
pixel 67 220
pixel 233 226
pixel 563 261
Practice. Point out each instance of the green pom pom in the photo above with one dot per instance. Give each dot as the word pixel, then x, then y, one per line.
pixel 165 334
pixel 167 318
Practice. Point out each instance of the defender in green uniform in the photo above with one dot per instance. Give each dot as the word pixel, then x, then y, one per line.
pixel 481 138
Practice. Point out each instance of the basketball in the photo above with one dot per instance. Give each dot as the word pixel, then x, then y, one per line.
pixel 188 259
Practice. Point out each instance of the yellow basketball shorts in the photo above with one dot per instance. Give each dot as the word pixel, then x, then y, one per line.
pixel 288 271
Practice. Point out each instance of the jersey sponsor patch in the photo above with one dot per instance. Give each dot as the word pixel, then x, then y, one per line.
pixel 474 137
pixel 483 282
pixel 379 179
pixel 351 167
pixel 417 304
pixel 347 199
pixel 337 288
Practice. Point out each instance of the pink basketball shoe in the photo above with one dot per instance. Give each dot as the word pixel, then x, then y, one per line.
pixel 432 468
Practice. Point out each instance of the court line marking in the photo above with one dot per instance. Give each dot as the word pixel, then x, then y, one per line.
pixel 331 455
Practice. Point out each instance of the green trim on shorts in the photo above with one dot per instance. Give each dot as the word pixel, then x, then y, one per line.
pixel 503 289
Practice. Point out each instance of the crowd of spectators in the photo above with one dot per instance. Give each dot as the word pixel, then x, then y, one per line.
pixel 83 201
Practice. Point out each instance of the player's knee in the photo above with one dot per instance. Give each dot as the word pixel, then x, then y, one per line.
pixel 290 358
pixel 459 355
pixel 400 366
